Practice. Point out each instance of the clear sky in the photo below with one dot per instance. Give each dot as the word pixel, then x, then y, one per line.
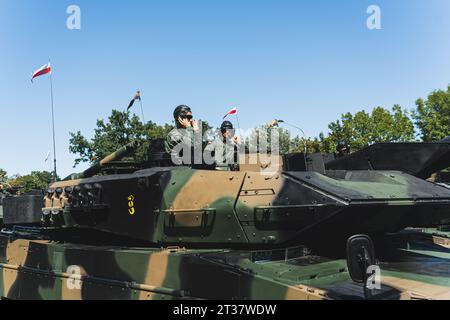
pixel 303 61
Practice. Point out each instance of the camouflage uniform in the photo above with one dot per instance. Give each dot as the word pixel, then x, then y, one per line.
pixel 224 153
pixel 178 138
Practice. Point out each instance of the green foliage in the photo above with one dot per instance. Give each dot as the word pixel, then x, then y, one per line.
pixel 363 129
pixel 359 130
pixel 36 180
pixel 432 116
pixel 263 133
pixel 3 176
pixel 310 145
pixel 119 130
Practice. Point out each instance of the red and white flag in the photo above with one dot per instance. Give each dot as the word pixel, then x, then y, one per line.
pixel 232 111
pixel 45 69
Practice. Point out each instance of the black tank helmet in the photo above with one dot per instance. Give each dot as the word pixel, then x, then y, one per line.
pixel 343 147
pixel 181 111
pixel 226 125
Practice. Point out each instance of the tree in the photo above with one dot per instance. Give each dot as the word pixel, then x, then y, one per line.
pixel 3 176
pixel 36 180
pixel 119 130
pixel 310 145
pixel 262 137
pixel 364 129
pixel 432 116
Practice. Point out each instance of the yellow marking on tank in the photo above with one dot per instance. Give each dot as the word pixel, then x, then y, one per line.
pixel 131 209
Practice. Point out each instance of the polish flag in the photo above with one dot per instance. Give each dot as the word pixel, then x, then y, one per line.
pixel 232 111
pixel 41 71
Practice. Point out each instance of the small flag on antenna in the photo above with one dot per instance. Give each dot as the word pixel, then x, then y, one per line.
pixel 232 111
pixel 137 96
pixel 41 71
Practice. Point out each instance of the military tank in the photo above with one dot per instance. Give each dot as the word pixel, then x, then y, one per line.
pixel 156 231
pixel 424 160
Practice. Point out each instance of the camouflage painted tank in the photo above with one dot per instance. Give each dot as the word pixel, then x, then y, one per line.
pixel 428 161
pixel 162 232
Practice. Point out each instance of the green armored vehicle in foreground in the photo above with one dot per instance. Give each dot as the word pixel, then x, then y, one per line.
pixel 161 232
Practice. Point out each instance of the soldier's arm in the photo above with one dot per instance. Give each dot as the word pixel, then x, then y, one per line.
pixel 172 140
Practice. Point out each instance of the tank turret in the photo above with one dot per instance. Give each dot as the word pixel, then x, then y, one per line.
pixel 418 159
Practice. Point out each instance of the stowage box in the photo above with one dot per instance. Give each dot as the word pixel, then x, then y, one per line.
pixel 25 209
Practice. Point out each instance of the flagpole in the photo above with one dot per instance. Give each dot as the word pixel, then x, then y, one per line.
pixel 239 126
pixel 53 129
pixel 142 110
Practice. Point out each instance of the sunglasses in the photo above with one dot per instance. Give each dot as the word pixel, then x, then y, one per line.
pixel 187 117
pixel 230 131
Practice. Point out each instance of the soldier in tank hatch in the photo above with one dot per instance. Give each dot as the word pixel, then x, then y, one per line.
pixel 224 148
pixel 184 137
pixel 343 149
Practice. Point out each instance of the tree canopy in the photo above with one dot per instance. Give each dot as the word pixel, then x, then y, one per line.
pixel 36 180
pixel 3 176
pixel 432 116
pixel 263 133
pixel 119 130
pixel 363 129
pixel 359 130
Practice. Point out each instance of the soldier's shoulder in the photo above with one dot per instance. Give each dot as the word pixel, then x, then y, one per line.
pixel 175 133
pixel 217 141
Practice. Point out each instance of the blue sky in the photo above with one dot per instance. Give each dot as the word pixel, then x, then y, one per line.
pixel 306 61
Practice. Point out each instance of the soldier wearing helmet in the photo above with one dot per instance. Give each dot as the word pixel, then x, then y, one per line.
pixel 183 137
pixel 343 149
pixel 224 148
